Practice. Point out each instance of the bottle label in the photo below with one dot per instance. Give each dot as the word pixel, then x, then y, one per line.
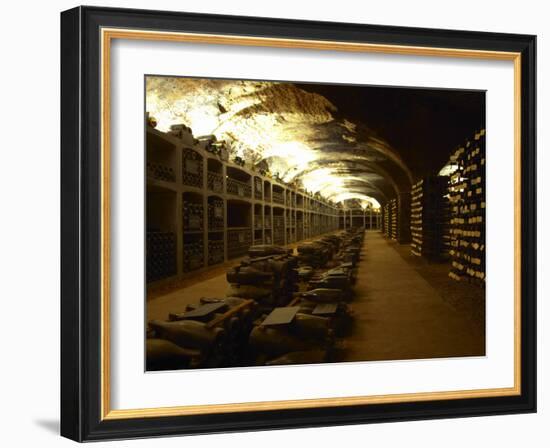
pixel 192 166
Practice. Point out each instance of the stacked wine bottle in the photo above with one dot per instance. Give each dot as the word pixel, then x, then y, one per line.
pixel 193 216
pixel 192 168
pixel 215 249
pixel 193 226
pixel 160 172
pixel 386 220
pixel 193 252
pixel 299 229
pixel 238 242
pixel 429 217
pixel 278 197
pixel 258 188
pixel 393 223
pixel 214 181
pixel 238 188
pixel 467 196
pixel 215 214
pixel 160 255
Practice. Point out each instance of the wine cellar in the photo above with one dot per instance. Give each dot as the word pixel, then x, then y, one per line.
pixel 298 256
pixel 225 208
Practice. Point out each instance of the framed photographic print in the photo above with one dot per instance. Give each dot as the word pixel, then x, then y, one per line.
pixel 275 224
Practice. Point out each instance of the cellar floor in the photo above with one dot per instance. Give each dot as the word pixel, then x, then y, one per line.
pixel 403 308
pixel 401 315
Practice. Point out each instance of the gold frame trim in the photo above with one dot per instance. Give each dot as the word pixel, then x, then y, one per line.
pixel 107 35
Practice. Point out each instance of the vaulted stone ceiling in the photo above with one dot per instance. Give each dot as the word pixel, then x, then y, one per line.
pixel 324 137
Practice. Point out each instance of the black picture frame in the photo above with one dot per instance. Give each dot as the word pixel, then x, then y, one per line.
pixel 81 223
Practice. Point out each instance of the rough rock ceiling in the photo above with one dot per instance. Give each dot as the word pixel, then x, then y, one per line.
pixel 301 134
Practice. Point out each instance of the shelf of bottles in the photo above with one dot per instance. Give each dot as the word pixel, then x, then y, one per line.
pixel 267 191
pixel 386 220
pixel 215 248
pixel 238 242
pixel 192 169
pixel 278 229
pixel 299 226
pixel 467 204
pixel 267 219
pixel 161 255
pixel 429 217
pixel 238 188
pixel 193 252
pixel 160 172
pixel 193 231
pixel 215 214
pixel 161 160
pixel 193 214
pixel 267 225
pixel 278 197
pixel 258 222
pixel 393 219
pixel 214 182
pixel 194 191
pixel 289 236
pixel 258 193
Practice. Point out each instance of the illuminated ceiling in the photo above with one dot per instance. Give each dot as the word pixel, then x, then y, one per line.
pixel 301 135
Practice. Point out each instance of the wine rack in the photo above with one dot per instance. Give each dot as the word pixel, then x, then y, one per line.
pixel 215 249
pixel 192 174
pixel 258 188
pixel 278 197
pixel 289 236
pixel 215 214
pixel 238 188
pixel 386 220
pixel 238 242
pixel 467 199
pixel 210 200
pixel 193 216
pixel 160 172
pixel 193 252
pixel 278 229
pixel 160 255
pixel 299 230
pixel 429 217
pixel 214 182
pixel 393 221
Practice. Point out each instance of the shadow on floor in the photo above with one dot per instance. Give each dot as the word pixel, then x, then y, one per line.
pixel 51 426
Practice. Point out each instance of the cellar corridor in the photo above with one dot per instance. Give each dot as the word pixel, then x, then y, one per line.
pixel 292 223
pixel 397 313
